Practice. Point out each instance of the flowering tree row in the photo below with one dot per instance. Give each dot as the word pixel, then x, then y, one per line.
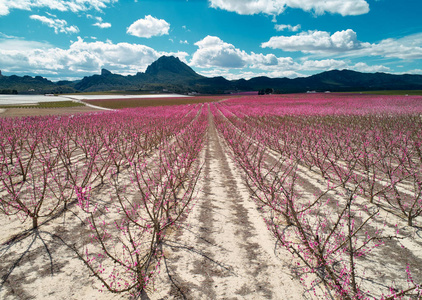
pixel 128 230
pixel 44 160
pixel 325 179
pixel 146 160
pixel 384 150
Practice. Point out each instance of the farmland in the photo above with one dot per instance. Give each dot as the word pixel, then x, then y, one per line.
pixel 146 102
pixel 302 196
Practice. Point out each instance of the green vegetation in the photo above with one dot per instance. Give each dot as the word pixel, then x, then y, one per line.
pixel 52 104
pixel 9 92
pixel 393 92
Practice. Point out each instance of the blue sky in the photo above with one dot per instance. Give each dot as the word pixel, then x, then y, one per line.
pixel 69 39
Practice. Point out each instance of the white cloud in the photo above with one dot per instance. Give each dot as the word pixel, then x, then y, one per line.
pixel 249 74
pixel 22 45
pixel 3 35
pixel 184 42
pixel 148 27
pixel 276 7
pixel 325 64
pixel 281 27
pixel 80 59
pixel 415 71
pixel 99 22
pixel 60 5
pixel 317 42
pixel 333 64
pixel 213 52
pixel 51 15
pixel 218 58
pixel 102 25
pixel 363 67
pixel 214 57
pixel 409 47
pixel 345 43
pixel 57 24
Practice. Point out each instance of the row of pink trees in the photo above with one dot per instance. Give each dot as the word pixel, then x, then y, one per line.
pixel 383 150
pixel 43 160
pixel 334 224
pixel 128 231
pixel 145 159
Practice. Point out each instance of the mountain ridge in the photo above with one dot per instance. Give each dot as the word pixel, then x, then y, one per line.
pixel 168 73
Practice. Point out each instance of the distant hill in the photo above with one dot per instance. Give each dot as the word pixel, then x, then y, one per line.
pixel 31 85
pixel 168 73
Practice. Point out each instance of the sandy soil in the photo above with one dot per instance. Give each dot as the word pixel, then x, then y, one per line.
pixel 223 250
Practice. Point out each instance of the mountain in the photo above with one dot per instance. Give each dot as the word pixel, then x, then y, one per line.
pixel 170 66
pixel 170 74
pixel 28 84
pixel 104 82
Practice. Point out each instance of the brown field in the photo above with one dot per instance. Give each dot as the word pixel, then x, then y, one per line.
pixel 142 102
pixel 32 112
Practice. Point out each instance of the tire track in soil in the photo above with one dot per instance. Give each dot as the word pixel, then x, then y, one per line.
pixel 225 250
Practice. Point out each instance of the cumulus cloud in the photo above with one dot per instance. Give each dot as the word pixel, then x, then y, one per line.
pixel 325 64
pixel 214 57
pixel 81 58
pixel 281 27
pixel 57 24
pixel 226 60
pixel 406 48
pixel 148 27
pixel 345 43
pixel 213 52
pixel 60 5
pixel 276 7
pixel 316 42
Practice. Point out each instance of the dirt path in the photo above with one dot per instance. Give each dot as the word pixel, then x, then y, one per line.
pixel 224 251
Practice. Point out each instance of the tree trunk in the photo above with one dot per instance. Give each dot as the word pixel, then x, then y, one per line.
pixel 34 222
